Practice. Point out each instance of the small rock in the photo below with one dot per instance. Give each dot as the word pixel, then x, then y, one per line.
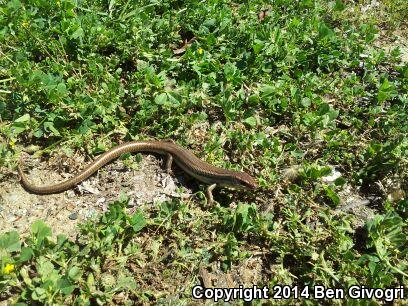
pixel 12 198
pixel 89 213
pixel 86 186
pixel 21 212
pixel 73 216
pixel 100 201
pixel 131 202
pixel 169 185
pixel 70 193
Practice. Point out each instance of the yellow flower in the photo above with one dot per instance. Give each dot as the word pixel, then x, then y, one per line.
pixel 8 269
pixel 25 24
pixel 12 143
pixel 200 51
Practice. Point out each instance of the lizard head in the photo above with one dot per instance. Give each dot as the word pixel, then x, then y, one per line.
pixel 244 181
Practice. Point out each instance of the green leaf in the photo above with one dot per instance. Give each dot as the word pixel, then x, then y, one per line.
pixel 253 99
pixel 20 124
pixel 74 273
pixel 38 133
pixel 386 91
pixel 61 239
pixel 79 33
pixel 39 294
pixel 267 90
pixel 65 286
pixel 372 266
pixel 40 230
pixel 26 277
pixel 324 31
pixel 126 282
pixel 174 98
pixel 138 221
pixel 26 254
pixel 251 121
pixel 243 218
pixel 340 181
pixel 324 108
pixel 161 99
pixel 90 281
pixel 49 126
pixel 339 6
pixel 258 46
pixel 332 195
pixel 62 90
pixel 24 118
pixel 45 268
pixel 10 242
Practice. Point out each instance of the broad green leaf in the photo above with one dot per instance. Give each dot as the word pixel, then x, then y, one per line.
pixel 126 282
pixel 10 241
pixel 20 124
pixel 45 268
pixel 24 118
pixel 79 33
pixel 339 6
pixel 251 121
pixel 332 195
pixel 253 99
pixel 386 91
pixel 74 273
pixel 26 254
pixel 49 126
pixel 161 99
pixel 39 294
pixel 174 98
pixel 65 286
pixel 40 230
pixel 324 31
pixel 138 221
pixel 267 90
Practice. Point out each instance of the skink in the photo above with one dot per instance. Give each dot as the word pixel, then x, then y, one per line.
pixel 186 160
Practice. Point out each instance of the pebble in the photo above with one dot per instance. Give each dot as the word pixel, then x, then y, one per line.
pixel 89 213
pixel 73 216
pixel 71 193
pixel 12 198
pixel 100 201
pixel 21 212
pixel 131 202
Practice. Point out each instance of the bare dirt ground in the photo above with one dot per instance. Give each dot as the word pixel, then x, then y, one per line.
pixel 146 184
